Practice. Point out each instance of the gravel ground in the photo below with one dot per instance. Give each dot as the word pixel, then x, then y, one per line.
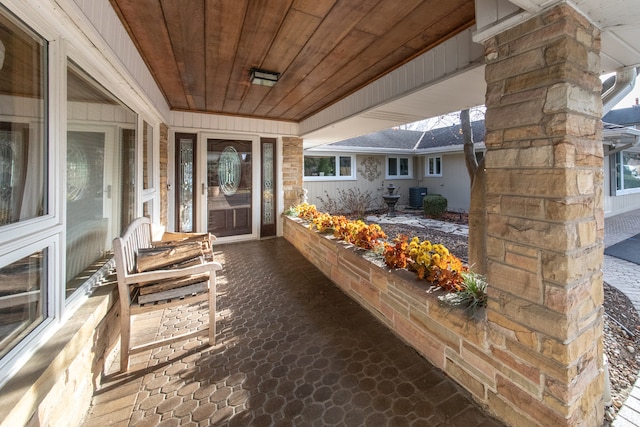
pixel 621 320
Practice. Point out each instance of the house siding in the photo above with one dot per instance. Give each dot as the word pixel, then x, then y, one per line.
pixel 453 184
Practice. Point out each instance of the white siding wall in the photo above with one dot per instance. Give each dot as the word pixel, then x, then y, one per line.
pixel 104 19
pixel 372 184
pixel 453 184
pixel 197 121
pixel 372 181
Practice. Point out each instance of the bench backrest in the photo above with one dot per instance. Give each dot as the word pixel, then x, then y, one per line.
pixel 125 248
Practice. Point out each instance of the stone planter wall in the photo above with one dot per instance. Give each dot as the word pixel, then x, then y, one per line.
pixel 445 336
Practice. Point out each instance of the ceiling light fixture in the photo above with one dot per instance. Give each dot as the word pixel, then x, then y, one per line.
pixel 263 78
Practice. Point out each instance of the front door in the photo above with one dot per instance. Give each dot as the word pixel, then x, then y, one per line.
pixel 229 185
pixel 226 186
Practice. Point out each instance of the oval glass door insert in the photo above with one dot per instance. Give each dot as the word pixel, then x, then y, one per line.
pixel 229 171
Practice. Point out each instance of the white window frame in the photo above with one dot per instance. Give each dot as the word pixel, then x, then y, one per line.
pixel 398 176
pixel 615 161
pixel 23 238
pixel 433 159
pixel 336 157
pixel 151 194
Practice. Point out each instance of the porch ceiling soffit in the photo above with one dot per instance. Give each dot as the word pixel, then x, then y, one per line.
pixel 448 78
pixel 618 20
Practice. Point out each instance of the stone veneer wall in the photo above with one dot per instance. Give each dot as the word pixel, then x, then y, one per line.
pixel 446 337
pixel 55 386
pixel 545 220
pixel 292 170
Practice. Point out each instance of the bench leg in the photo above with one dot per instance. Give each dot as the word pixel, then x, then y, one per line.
pixel 212 309
pixel 125 338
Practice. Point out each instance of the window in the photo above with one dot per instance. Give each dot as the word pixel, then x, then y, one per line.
pixel 433 166
pixel 328 167
pixel 100 173
pixel 627 172
pixel 24 285
pixel 23 149
pixel 24 187
pixel 399 167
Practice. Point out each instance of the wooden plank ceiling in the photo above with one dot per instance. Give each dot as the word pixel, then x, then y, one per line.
pixel 200 51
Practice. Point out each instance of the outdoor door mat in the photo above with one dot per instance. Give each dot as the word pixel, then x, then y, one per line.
pixel 628 250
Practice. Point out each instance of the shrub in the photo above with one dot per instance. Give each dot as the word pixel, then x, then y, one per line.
pixel 351 201
pixel 434 205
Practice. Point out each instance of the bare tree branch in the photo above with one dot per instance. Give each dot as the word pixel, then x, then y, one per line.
pixel 469 151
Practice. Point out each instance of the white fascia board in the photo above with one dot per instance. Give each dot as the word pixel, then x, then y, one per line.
pixel 359 150
pixel 450 149
pixel 390 151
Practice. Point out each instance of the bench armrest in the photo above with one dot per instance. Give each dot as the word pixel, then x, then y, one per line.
pixel 155 275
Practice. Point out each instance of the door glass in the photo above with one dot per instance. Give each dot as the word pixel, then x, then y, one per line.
pixel 186 174
pixel 268 196
pixel 229 187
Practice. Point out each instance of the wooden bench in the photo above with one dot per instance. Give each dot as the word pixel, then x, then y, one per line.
pixel 164 287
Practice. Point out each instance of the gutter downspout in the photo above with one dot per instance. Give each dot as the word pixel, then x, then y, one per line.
pixel 617 87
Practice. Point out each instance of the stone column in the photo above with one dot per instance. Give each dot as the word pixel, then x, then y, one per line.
pixel 545 220
pixel 292 170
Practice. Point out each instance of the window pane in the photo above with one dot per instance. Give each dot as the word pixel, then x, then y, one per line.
pixel 393 166
pixel 404 167
pixel 345 166
pixel 100 173
pixel 22 298
pixel 631 170
pixel 319 166
pixel 434 166
pixel 23 149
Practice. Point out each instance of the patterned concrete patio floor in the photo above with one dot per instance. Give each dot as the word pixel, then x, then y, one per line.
pixel 291 350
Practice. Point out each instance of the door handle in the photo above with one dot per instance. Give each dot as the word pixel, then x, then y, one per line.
pixel 204 188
